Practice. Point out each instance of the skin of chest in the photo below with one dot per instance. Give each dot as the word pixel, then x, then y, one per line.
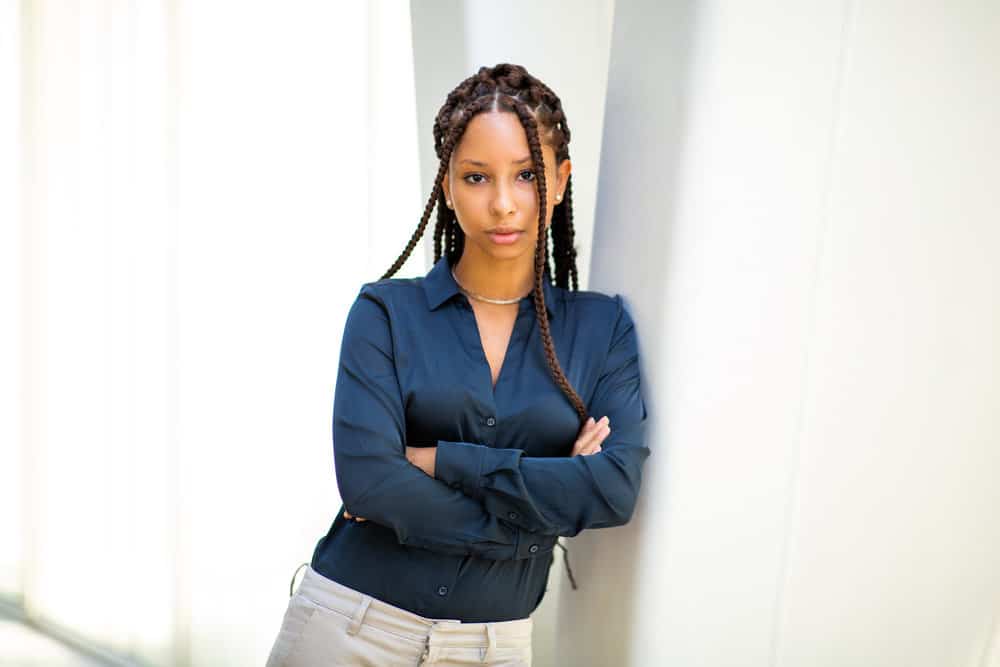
pixel 496 324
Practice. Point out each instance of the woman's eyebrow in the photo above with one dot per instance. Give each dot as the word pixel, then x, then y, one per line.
pixel 483 164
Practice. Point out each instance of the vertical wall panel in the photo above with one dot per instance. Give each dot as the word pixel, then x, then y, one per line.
pixel 273 245
pixel 895 542
pixel 11 304
pixel 818 305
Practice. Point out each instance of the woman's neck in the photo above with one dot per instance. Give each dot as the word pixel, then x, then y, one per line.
pixel 503 279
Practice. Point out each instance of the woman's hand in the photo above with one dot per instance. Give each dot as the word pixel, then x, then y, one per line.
pixel 423 457
pixel 591 436
pixel 348 515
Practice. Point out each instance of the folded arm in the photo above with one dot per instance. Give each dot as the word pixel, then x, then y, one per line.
pixel 565 495
pixel 375 479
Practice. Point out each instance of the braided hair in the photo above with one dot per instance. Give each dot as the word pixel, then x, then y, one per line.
pixel 508 87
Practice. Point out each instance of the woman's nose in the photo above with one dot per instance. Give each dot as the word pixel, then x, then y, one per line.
pixel 503 200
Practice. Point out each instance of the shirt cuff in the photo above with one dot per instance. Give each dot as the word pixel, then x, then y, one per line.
pixel 459 465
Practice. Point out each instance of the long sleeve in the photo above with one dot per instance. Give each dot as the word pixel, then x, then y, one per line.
pixel 565 495
pixel 375 479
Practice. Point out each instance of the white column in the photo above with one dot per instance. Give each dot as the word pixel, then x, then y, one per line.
pixel 11 307
pixel 93 352
pixel 188 234
pixel 273 246
pixel 799 203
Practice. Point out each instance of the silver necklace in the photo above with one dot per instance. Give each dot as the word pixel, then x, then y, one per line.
pixel 484 298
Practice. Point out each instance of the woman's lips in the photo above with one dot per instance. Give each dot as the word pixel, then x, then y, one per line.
pixel 505 239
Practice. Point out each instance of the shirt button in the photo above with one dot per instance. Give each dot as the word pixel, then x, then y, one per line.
pixel 491 421
pixel 534 548
pixel 443 590
pixel 511 515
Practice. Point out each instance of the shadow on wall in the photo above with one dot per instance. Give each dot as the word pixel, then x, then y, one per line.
pixel 644 126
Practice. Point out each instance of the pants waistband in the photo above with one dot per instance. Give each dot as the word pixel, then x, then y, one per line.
pixel 362 608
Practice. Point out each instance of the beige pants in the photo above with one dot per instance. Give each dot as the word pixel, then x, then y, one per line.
pixel 328 624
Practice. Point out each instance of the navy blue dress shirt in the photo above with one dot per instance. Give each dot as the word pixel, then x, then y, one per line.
pixel 475 542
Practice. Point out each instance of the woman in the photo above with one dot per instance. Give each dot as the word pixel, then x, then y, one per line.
pixel 462 447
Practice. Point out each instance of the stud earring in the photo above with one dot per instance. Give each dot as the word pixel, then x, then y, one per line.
pixel 447 203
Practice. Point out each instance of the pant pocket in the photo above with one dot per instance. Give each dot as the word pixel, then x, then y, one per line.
pixel 297 616
pixel 325 641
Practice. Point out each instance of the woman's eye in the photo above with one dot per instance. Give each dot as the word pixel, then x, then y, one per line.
pixel 529 177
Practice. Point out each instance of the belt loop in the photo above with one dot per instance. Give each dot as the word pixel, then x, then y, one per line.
pixel 291 586
pixel 359 615
pixel 491 635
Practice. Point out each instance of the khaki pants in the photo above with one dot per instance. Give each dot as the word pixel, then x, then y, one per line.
pixel 328 624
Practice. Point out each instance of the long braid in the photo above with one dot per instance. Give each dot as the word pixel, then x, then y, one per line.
pixel 564 212
pixel 510 87
pixel 531 127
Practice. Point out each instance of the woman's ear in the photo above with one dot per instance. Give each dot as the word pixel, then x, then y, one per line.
pixel 564 170
pixel 446 190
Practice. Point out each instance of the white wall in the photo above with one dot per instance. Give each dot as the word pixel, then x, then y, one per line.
pixel 273 244
pixel 92 352
pixel 11 304
pixel 395 196
pixel 807 194
pixel 189 235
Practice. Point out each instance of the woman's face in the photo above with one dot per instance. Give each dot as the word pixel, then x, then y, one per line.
pixel 492 189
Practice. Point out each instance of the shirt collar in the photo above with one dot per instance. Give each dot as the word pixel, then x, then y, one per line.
pixel 439 286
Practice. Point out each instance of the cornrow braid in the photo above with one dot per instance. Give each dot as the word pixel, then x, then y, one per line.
pixel 507 87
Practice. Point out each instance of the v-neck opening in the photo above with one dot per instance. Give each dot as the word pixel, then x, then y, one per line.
pixel 503 362
pixel 482 350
